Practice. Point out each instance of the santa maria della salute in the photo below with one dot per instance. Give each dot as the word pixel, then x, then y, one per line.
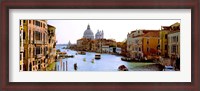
pixel 89 34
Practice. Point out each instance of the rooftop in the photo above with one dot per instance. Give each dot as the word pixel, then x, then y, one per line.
pixel 151 34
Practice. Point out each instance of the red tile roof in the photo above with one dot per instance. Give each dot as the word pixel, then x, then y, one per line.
pixel 171 32
pixel 151 34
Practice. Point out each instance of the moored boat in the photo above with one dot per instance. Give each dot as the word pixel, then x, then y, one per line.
pixel 122 68
pixel 75 66
pixel 126 59
pixel 69 56
pixel 81 52
pixel 97 56
pixel 61 54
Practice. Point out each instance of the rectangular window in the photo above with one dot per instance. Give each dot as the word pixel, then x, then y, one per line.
pixel 34 35
pixel 158 47
pixel 41 50
pixel 44 38
pixel 165 36
pixel 147 49
pixel 20 67
pixel 174 39
pixel 37 23
pixel 24 54
pixel 49 40
pixel 173 48
pixel 177 39
pixel 37 35
pixel 40 24
pixel 46 49
pixel 41 36
pixel 29 53
pixel 38 50
pixel 29 21
pixel 33 22
pixel 136 41
pixel 24 35
pixel 171 39
pixel 165 47
pixel 30 36
pixel 147 41
pixel 24 21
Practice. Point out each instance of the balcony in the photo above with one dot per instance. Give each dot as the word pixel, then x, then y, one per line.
pixel 39 56
pixel 21 49
pixel 21 62
pixel 30 41
pixel 45 42
pixel 38 42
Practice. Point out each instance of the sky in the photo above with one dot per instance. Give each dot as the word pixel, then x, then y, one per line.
pixel 72 30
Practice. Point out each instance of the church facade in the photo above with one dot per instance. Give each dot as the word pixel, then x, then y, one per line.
pixel 99 35
pixel 88 34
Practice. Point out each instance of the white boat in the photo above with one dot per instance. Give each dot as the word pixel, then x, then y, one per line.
pixel 97 56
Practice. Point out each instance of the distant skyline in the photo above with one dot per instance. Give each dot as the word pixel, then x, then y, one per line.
pixel 72 30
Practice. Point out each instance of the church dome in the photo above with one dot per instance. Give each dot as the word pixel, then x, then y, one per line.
pixel 88 33
pixel 98 33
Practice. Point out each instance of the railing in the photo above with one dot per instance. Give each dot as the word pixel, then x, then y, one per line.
pixel 21 49
pixel 21 62
pixel 38 42
pixel 30 41
pixel 39 56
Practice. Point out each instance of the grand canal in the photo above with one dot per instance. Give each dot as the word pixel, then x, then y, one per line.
pixel 107 62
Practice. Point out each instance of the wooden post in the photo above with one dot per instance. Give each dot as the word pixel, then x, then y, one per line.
pixel 66 65
pixel 63 66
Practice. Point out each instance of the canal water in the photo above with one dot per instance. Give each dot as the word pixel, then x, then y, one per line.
pixel 107 62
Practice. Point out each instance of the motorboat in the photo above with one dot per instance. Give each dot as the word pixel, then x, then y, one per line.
pixel 97 56
pixel 126 59
pixel 69 56
pixel 168 68
pixel 122 68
